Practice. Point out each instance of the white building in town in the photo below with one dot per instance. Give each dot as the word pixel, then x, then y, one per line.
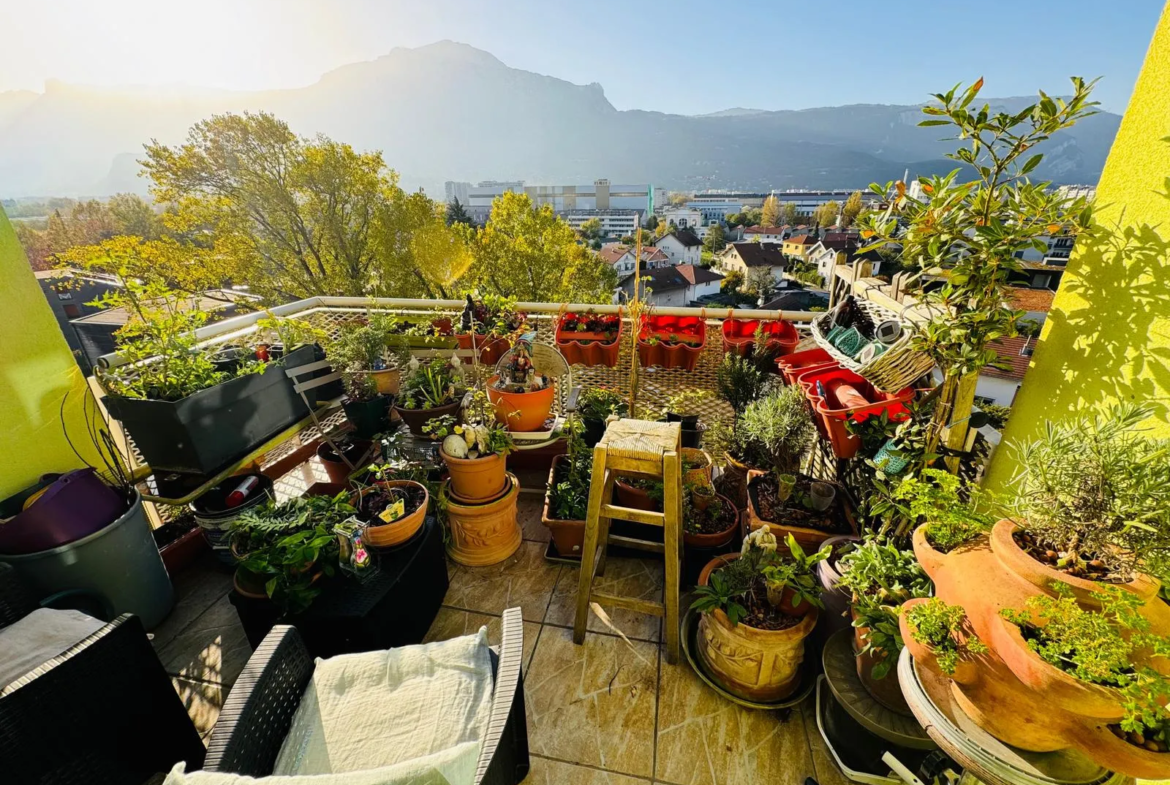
pixel 683 247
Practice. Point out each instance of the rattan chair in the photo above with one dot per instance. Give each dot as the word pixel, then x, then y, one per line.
pixel 103 712
pixel 259 711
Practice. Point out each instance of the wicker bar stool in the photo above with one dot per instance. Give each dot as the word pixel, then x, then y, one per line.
pixel 641 449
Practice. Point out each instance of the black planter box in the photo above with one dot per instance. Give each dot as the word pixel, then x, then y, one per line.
pixel 204 432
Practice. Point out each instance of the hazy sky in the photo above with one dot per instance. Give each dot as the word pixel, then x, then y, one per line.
pixel 681 56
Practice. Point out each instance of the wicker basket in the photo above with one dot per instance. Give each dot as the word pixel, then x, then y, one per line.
pixel 891 371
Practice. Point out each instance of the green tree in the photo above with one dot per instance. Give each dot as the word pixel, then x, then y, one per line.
pixel 851 209
pixel 457 214
pixel 590 230
pixel 759 281
pixel 972 231
pixel 826 214
pixel 732 281
pixel 679 198
pixel 650 223
pixel 734 219
pixel 753 216
pixel 715 240
pixel 530 253
pixel 790 215
pixel 771 213
pixel 135 216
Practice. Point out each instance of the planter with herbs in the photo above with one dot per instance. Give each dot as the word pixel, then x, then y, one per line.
pixel 710 520
pixel 810 510
pixel 393 510
pixel 742 336
pixel 566 499
pixel 522 395
pixel 474 452
pixel 431 390
pixel 595 406
pixel 758 607
pixel 590 338
pixel 436 334
pixel 671 341
pixel 369 374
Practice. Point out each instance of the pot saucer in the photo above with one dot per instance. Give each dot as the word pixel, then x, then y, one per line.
pixel 689 636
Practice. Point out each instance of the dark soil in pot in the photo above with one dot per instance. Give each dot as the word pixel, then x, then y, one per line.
pixel 594 430
pixel 764 493
pixel 1092 569
pixel 376 499
pixel 720 517
pixel 369 418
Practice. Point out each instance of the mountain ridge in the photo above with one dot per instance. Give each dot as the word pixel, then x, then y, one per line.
pixel 450 111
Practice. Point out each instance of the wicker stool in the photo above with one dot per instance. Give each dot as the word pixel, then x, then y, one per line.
pixel 641 449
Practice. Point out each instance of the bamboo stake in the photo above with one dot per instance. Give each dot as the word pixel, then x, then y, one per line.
pixel 636 317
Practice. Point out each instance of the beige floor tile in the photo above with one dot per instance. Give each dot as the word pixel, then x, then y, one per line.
pixel 554 772
pixel 704 739
pixel 196 590
pixel 528 510
pixel 203 702
pixel 593 704
pixel 211 654
pixel 641 578
pixel 827 771
pixel 452 623
pixel 525 580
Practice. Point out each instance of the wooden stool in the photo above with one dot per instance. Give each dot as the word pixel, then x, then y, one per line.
pixel 648 450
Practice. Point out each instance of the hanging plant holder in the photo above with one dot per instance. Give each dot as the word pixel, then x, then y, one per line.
pixel 589 347
pixel 740 334
pixel 891 370
pixel 671 341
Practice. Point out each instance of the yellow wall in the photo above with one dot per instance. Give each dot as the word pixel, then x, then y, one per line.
pixel 37 370
pixel 1107 337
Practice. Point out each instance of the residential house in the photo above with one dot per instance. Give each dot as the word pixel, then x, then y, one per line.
pixel 791 296
pixel 621 257
pixel 747 257
pixel 764 234
pixel 1035 303
pixel 676 285
pixel 683 247
pixel 1001 385
pixel 797 247
pixel 831 250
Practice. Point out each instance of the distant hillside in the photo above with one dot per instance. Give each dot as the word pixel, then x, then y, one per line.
pixel 449 111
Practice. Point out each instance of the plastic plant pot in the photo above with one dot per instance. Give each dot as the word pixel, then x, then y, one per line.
pixel 214 517
pixel 793 365
pixel 739 335
pixel 655 331
pixel 784 485
pixel 849 397
pixel 821 495
pixel 588 348
pixel 369 418
pixel 526 411
pixel 63 508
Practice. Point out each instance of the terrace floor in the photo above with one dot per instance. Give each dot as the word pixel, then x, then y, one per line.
pixel 598 714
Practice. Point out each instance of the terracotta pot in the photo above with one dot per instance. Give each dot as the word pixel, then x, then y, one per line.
pixel 182 552
pixel 476 479
pixel 1116 754
pixel 415 419
pixel 335 468
pixel 387 380
pixel 700 475
pixel 522 411
pixel 634 498
pixel 758 665
pixel 967 670
pixel 491 348
pixel 588 348
pixel 483 534
pixel 248 585
pixel 887 690
pixel 736 474
pixel 569 536
pixel 719 539
pixel 809 539
pixel 389 535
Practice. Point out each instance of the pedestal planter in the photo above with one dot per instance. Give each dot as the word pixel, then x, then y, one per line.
pixel 757 665
pixel 739 335
pixel 671 341
pixel 588 348
pixel 336 468
pixel 483 534
pixel 387 380
pixel 204 431
pixel 415 419
pixel 369 418
pixel 569 536
pixel 521 411
pixel 837 520
pixel 491 348
pixel 389 535
pixel 476 479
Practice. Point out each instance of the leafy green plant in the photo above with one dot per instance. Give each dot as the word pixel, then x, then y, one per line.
pixel 569 496
pixel 940 626
pixel 776 430
pixel 1110 647
pixel 740 381
pixel 935 498
pixel 599 403
pixel 971 231
pixel 688 402
pixel 357 350
pixel 1098 488
pixel 288 332
pixel 879 577
pixel 430 385
pixel 798 573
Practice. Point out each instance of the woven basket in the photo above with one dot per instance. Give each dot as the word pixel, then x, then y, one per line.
pixel 890 372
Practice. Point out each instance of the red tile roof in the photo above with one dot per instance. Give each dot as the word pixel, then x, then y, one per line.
pixel 804 239
pixel 698 275
pixel 1032 299
pixel 764 230
pixel 1011 351
pixel 612 253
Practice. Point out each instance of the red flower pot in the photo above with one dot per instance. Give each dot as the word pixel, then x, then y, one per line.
pixel 589 348
pixel 849 397
pixel 491 348
pixel 690 331
pixel 740 334
pixel 792 366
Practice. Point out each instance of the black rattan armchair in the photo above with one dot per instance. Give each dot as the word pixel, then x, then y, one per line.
pixel 259 711
pixel 103 712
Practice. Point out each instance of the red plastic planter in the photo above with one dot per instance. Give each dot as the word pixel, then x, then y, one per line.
pixel 794 365
pixel 678 356
pixel 588 348
pixel 491 349
pixel 843 401
pixel 739 334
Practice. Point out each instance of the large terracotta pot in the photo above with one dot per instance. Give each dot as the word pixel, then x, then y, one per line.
pixel 809 539
pixel 633 497
pixel 476 479
pixel 387 381
pixel 757 665
pixel 522 411
pixel 415 419
pixel 569 536
pixel 483 534
pixel 389 535
pixel 718 539
pixel 887 690
pixel 1117 754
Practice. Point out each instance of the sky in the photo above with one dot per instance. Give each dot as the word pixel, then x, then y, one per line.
pixel 682 56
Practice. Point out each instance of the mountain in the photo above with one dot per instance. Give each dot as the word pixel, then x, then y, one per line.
pixel 448 111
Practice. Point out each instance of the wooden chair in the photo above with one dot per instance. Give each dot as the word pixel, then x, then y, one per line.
pixel 641 449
